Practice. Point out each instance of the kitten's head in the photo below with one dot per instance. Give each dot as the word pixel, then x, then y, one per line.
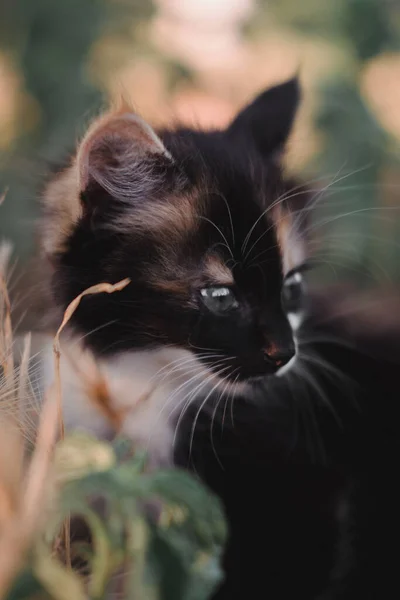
pixel 201 223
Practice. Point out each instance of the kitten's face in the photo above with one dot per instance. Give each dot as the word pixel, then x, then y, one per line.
pixel 200 223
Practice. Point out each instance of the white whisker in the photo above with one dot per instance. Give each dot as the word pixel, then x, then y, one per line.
pixel 202 406
pixel 221 233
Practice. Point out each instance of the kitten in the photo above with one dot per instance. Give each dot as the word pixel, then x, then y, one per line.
pixel 201 223
pixel 211 235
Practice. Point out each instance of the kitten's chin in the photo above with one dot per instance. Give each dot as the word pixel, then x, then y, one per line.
pixel 281 372
pixel 286 368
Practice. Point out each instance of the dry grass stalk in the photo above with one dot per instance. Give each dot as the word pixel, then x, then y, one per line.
pixel 107 288
pixel 6 335
pixel 26 515
pixel 16 393
pixel 11 472
pixel 41 460
pixel 23 379
pixel 23 499
pixel 96 388
pixel 102 390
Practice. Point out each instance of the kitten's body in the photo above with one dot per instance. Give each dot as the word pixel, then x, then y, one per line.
pixel 308 469
pixel 203 226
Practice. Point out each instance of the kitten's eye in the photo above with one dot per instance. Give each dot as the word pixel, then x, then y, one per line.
pixel 292 293
pixel 219 299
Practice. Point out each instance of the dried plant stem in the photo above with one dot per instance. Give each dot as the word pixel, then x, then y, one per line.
pixel 6 357
pixel 96 388
pixel 71 308
pixel 41 459
pixel 17 534
pixel 11 473
pixel 23 380
pixel 107 288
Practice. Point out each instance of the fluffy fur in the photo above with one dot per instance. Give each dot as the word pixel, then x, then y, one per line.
pixel 180 212
pixel 304 462
pixel 308 465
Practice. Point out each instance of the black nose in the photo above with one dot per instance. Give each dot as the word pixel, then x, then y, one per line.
pixel 278 357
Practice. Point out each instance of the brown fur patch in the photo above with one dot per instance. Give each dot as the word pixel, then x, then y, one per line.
pixel 168 218
pixel 289 239
pixel 181 283
pixel 62 210
pixel 217 272
pixel 61 199
pixel 180 287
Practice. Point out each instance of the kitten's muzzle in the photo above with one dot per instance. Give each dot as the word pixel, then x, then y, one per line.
pixel 278 357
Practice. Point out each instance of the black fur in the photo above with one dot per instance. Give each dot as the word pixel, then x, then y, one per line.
pixel 310 465
pixel 235 182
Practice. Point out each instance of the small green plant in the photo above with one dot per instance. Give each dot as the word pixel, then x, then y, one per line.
pixel 158 536
pixel 85 519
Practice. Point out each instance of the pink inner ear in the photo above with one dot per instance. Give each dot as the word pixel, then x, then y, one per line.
pixel 107 134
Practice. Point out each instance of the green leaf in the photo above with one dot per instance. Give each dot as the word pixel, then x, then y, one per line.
pixel 60 583
pixel 164 529
pixel 26 586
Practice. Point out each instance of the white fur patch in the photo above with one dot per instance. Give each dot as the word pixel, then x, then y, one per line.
pixel 150 387
pixel 294 253
pixel 286 368
pixel 295 320
pixel 291 242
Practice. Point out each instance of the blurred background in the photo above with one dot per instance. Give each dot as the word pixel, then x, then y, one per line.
pixel 197 62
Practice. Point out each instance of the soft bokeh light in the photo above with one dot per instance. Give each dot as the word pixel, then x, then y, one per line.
pixel 183 61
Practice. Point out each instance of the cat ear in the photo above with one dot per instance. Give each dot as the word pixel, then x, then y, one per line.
pixel 118 155
pixel 269 118
pixel 120 162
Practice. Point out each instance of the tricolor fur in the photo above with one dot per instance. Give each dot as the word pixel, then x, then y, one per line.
pixel 179 212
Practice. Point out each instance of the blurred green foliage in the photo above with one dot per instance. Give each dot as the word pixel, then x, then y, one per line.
pixel 158 536
pixel 356 151
pixel 49 43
